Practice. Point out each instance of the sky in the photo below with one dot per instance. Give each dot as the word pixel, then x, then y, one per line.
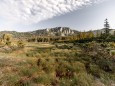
pixel 30 15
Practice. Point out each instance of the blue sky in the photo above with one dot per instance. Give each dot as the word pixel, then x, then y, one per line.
pixel 23 15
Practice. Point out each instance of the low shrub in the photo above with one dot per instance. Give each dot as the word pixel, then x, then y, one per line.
pixel 20 44
pixel 8 43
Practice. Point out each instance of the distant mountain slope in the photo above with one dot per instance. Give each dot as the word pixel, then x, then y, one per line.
pixel 16 34
pixel 57 31
pixel 99 31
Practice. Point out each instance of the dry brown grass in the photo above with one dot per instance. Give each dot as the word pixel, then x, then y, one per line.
pixel 18 69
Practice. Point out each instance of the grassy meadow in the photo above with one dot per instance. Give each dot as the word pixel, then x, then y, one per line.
pixel 58 64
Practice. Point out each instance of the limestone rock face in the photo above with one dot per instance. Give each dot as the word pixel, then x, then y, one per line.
pixel 57 31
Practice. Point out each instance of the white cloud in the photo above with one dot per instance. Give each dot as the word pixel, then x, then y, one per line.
pixel 34 11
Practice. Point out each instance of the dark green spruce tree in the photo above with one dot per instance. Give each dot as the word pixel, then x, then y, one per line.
pixel 106 27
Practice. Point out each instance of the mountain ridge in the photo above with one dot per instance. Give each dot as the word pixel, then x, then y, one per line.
pixel 56 31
